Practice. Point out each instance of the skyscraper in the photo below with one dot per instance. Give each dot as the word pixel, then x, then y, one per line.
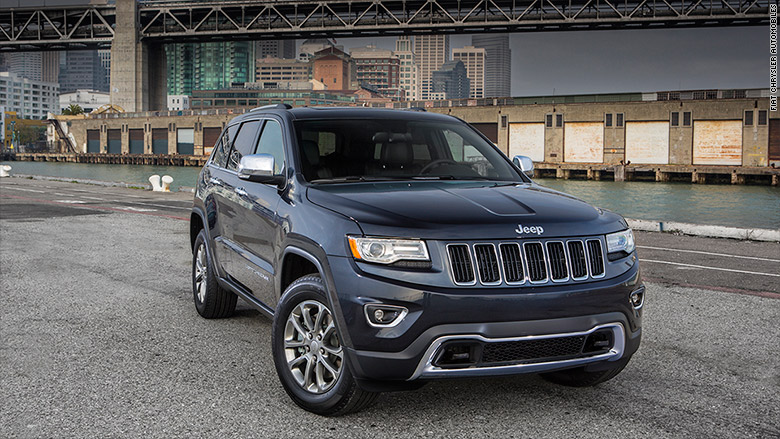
pixel 408 76
pixel 474 60
pixel 105 61
pixel 431 53
pixel 284 49
pixel 82 70
pixel 377 68
pixel 25 64
pixel 451 81
pixel 498 64
pixel 208 66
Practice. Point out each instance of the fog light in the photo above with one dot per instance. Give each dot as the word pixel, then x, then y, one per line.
pixel 384 316
pixel 637 298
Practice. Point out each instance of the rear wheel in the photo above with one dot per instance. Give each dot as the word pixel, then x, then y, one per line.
pixel 579 377
pixel 308 354
pixel 211 300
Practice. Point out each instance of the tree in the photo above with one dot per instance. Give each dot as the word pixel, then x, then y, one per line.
pixel 72 110
pixel 28 134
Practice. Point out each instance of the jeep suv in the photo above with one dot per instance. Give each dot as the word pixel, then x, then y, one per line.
pixel 393 247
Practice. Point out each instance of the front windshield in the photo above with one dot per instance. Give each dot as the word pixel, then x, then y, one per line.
pixel 337 150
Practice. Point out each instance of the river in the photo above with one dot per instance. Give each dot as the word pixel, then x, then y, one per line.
pixel 726 205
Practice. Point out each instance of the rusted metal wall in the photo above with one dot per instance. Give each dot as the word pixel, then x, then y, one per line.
pixel 527 139
pixel 583 142
pixel 647 142
pixel 717 142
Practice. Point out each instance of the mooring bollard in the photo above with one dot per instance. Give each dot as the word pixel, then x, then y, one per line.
pixel 4 169
pixel 166 183
pixel 155 181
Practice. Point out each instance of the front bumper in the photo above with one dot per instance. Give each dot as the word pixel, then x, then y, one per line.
pixel 488 315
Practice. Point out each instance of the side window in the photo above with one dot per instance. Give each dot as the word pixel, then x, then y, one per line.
pixel 271 142
pixel 222 148
pixel 244 143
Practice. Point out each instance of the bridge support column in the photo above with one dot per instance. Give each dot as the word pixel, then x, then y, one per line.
pixel 138 78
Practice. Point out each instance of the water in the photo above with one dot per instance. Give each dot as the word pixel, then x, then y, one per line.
pixel 727 205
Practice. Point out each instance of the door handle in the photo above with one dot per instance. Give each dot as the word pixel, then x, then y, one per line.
pixel 240 191
pixel 215 181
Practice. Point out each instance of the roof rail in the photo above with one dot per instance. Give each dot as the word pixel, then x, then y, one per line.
pixel 273 107
pixel 416 109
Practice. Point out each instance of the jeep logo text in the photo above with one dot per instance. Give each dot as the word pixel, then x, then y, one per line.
pixel 521 229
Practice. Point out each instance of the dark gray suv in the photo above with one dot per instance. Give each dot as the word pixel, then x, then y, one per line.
pixel 392 247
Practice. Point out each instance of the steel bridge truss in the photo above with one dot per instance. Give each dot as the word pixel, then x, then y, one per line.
pixel 65 28
pixel 279 19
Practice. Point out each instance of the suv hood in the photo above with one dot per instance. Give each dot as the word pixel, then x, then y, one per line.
pixel 463 210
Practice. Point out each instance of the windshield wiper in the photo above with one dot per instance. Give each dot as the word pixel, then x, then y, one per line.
pixel 352 178
pixel 449 177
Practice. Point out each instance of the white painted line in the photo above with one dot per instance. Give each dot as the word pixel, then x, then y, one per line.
pixel 62 195
pixel 70 201
pixel 92 198
pixel 148 204
pixel 29 190
pixel 708 253
pixel 137 209
pixel 710 268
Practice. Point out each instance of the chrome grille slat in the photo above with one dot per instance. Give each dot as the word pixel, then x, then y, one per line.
pixel 595 258
pixel 460 263
pixel 537 266
pixel 512 262
pixel 579 265
pixel 559 271
pixel 487 263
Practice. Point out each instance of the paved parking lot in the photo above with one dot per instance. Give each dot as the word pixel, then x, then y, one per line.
pixel 99 338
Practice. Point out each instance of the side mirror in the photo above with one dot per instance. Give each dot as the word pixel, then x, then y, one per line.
pixel 259 168
pixel 524 164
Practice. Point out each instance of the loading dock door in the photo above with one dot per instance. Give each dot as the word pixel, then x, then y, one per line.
pixel 490 130
pixel 136 141
pixel 717 142
pixel 159 141
pixel 647 142
pixel 185 141
pixel 583 142
pixel 93 141
pixel 210 137
pixel 774 140
pixel 527 139
pixel 114 142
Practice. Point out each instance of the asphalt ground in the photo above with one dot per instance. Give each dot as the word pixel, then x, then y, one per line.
pixel 99 338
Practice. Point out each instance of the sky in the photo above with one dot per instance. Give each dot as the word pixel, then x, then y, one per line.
pixel 582 62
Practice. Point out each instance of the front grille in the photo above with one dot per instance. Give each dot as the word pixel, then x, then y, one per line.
pixel 595 257
pixel 533 351
pixel 487 263
pixel 537 267
pixel 546 261
pixel 513 263
pixel 579 268
pixel 460 260
pixel 557 255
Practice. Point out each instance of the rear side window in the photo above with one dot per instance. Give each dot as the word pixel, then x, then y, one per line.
pixel 244 143
pixel 222 148
pixel 271 142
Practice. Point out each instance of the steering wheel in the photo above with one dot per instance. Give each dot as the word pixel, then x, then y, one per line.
pixel 437 163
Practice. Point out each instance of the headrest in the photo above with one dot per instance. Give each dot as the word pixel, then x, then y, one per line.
pixel 311 151
pixel 397 153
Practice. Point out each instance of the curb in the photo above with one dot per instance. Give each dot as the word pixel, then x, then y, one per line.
pixel 705 230
pixel 86 181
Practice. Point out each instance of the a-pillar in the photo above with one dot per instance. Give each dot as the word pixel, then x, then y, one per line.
pixel 138 78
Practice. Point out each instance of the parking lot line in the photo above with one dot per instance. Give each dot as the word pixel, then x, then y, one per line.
pixel 708 253
pixel 704 267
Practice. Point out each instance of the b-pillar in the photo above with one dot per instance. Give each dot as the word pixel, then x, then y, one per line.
pixel 138 71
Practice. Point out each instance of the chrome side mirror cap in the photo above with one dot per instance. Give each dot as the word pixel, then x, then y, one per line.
pixel 524 164
pixel 258 168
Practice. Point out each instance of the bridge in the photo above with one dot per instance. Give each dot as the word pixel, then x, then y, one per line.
pixel 136 30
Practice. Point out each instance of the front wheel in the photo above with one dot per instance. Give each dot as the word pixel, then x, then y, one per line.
pixel 308 354
pixel 579 377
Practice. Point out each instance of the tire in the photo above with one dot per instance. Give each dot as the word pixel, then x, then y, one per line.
pixel 211 300
pixel 579 377
pixel 309 358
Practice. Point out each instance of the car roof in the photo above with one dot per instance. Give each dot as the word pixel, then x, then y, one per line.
pixel 303 113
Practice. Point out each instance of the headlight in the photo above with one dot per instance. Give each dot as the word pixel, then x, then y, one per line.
pixel 620 242
pixel 387 250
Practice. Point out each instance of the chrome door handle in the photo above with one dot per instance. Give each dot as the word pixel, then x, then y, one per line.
pixel 215 181
pixel 240 191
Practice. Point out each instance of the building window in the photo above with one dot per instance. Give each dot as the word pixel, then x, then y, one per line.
pixel 686 118
pixel 558 120
pixel 749 118
pixel 549 121
pixel 762 117
pixel 503 121
pixel 675 119
pixel 608 120
pixel 619 119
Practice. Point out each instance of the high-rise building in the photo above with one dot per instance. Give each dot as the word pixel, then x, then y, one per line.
pixel 82 70
pixel 451 81
pixel 498 64
pixel 29 99
pixel 408 74
pixel 377 69
pixel 105 61
pixel 431 53
pixel 284 49
pixel 25 64
pixel 50 66
pixel 271 70
pixel 209 66
pixel 474 60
